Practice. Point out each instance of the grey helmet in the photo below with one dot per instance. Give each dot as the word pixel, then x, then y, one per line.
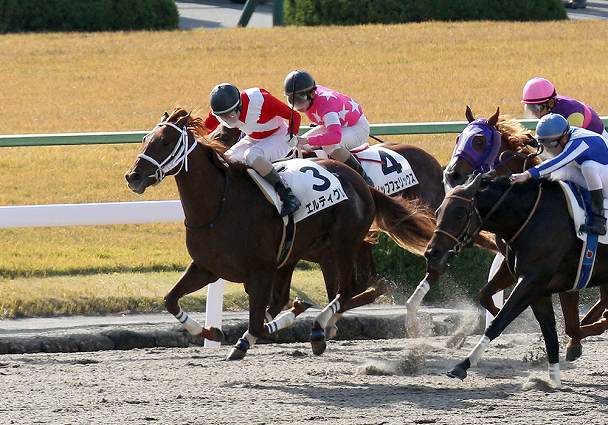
pixel 298 82
pixel 224 98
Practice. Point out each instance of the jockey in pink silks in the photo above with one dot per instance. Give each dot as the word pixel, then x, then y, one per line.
pixel 341 125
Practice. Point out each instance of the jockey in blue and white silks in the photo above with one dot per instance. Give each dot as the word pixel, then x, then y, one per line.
pixel 582 155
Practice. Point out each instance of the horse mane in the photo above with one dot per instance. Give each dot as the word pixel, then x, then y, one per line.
pixel 196 125
pixel 516 136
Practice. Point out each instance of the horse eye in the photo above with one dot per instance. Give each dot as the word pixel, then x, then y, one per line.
pixel 479 141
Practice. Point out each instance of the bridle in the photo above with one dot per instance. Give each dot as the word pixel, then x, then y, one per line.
pixel 465 236
pixel 468 233
pixel 178 157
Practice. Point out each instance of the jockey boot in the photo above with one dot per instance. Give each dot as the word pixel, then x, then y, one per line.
pixel 291 203
pixel 354 163
pixel 595 222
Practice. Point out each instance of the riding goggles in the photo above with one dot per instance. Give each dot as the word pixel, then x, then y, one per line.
pixel 550 142
pixel 297 99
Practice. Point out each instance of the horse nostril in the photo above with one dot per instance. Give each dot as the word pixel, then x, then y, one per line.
pixel 133 177
pixel 431 253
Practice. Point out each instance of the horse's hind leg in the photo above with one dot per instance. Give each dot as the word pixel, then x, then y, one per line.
pixel 595 322
pixel 193 279
pixel 569 302
pixel 339 281
pixel 258 288
pixel 283 319
pixel 595 313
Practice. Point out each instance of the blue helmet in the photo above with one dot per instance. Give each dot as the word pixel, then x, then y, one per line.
pixel 551 127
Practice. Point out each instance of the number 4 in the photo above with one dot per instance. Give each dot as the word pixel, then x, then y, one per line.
pixel 389 164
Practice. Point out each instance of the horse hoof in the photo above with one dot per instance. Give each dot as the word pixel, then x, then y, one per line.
pixel 317 341
pixel 236 354
pixel 574 352
pixel 239 350
pixel 318 347
pixel 457 372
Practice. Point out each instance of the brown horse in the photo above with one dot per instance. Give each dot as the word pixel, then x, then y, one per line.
pixel 429 192
pixel 233 233
pixel 524 215
pixel 517 152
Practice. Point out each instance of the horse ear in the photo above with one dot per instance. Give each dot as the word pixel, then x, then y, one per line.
pixel 494 118
pixel 165 117
pixel 472 187
pixel 469 114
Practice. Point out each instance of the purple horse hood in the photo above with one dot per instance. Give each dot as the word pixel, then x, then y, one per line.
pixel 480 161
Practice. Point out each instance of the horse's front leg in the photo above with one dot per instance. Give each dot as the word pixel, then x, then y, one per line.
pixel 413 303
pixel 258 288
pixel 529 288
pixel 193 279
pixel 543 311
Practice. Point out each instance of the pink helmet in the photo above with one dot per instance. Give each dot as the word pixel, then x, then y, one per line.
pixel 538 90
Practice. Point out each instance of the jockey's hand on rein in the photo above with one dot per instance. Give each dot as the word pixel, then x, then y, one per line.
pixel 520 177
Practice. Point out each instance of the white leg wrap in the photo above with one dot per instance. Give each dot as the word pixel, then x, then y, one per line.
pixel 268 317
pixel 282 321
pixel 191 325
pixel 476 353
pixel 327 313
pixel 555 375
pixel 414 301
pixel 252 339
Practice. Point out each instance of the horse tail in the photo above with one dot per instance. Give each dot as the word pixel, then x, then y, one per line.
pixel 407 222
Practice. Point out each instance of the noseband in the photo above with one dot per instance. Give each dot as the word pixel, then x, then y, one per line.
pixel 466 235
pixel 179 155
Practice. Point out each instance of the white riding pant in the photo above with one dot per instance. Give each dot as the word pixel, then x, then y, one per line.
pixel 590 175
pixel 352 137
pixel 272 148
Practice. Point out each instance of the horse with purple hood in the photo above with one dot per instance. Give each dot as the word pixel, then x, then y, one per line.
pixel 503 146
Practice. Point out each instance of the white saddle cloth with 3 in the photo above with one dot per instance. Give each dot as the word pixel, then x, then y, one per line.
pixel 315 187
pixel 577 213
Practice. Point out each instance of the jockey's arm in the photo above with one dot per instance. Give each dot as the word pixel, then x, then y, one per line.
pixel 284 111
pixel 332 134
pixel 568 155
pixel 211 122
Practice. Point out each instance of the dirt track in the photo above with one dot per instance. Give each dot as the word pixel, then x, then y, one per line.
pixel 287 384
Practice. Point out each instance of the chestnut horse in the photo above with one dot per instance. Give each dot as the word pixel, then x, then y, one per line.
pixel 233 233
pixel 477 151
pixel 429 192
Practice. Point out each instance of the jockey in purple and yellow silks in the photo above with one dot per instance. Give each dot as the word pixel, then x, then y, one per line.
pixel 540 98
pixel 341 124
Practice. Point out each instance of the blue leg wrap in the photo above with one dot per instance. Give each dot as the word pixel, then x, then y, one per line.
pixel 317 334
pixel 242 344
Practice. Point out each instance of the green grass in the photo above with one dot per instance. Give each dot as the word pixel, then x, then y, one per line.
pixel 125 292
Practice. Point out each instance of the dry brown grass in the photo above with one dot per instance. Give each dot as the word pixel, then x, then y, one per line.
pixel 124 81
